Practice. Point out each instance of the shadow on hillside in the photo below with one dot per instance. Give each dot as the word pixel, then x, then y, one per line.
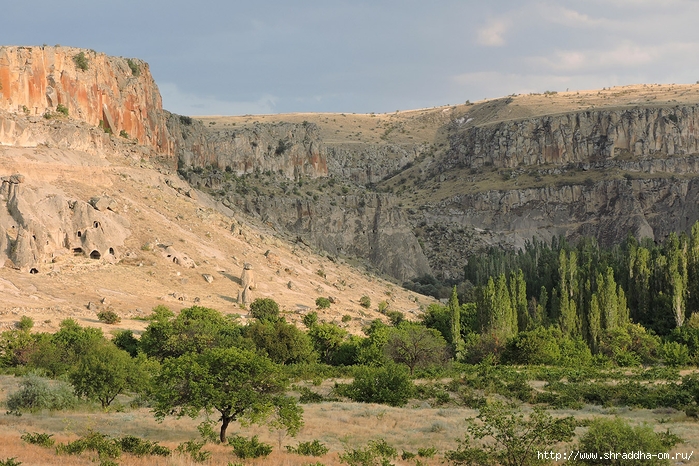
pixel 228 298
pixel 232 278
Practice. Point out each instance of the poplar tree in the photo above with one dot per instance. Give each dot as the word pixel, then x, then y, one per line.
pixel 455 313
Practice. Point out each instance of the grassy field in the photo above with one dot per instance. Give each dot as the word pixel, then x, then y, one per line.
pixel 338 425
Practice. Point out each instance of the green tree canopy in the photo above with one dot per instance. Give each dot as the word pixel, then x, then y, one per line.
pixel 416 345
pixel 239 384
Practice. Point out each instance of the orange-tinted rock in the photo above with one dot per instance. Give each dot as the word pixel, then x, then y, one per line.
pixel 38 79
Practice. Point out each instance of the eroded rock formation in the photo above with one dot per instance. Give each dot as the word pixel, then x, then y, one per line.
pixel 38 225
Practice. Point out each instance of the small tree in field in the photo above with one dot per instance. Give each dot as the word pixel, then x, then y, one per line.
pixel 416 345
pixel 240 384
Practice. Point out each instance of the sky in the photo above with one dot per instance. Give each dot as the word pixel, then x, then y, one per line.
pixel 273 56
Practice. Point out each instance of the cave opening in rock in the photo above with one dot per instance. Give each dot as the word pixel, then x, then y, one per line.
pixel 77 251
pixel 111 251
pixel 79 234
pixel 33 271
pixel 95 254
pixel 96 224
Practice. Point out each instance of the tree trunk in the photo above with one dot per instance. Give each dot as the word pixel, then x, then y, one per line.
pixel 224 425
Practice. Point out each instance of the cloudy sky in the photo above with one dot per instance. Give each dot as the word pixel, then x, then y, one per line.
pixel 274 56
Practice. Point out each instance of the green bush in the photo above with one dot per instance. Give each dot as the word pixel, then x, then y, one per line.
pixel 377 452
pixel 314 448
pixel 125 340
pixel 140 447
pixel 501 434
pixel 36 393
pixel 25 323
pixel 264 309
pixel 310 319
pixel 124 134
pixel 93 441
pixel 194 450
pixel 62 109
pixel 10 461
pixel 389 384
pixel 108 317
pixel 365 301
pixel 309 396
pixel 135 67
pixel 426 452
pixel 81 61
pixel 253 448
pixel 615 435
pixel 36 438
pixel 322 303
pixel 346 318
pixel 675 354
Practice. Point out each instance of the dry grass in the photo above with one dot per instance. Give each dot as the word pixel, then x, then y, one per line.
pixel 338 425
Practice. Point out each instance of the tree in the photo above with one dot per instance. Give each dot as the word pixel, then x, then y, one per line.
pixel 513 440
pixel 326 339
pixel 455 313
pixel 283 342
pixel 239 384
pixel 105 372
pixel 195 329
pixel 415 345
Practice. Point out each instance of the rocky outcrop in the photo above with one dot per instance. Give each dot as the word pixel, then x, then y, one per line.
pixel 370 226
pixel 366 164
pixel 288 149
pixel 587 136
pixel 116 93
pixel 37 226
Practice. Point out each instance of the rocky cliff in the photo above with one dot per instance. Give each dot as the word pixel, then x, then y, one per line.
pixel 288 149
pixel 588 136
pixel 113 92
pixel 370 227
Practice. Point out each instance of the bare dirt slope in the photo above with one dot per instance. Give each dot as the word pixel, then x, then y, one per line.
pixel 154 202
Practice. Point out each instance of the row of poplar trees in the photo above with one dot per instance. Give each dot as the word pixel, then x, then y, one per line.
pixel 586 289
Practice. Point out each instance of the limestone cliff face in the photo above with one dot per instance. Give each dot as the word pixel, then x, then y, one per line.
pixel 120 94
pixel 288 149
pixel 370 226
pixel 585 136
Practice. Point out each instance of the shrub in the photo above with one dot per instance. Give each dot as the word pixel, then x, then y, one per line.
pixel 141 447
pixel 194 450
pixel 616 435
pixel 377 452
pixel 309 396
pixel 365 301
pixel 36 394
pixel 314 448
pixel 125 340
pixel 185 120
pixel 135 67
pixel 383 307
pixel 396 317
pixel 253 448
pixel 43 440
pixel 322 303
pixel 124 134
pixel 426 452
pixel 93 441
pixel 510 438
pixel 108 317
pixel 81 61
pixel 346 318
pixel 264 309
pixel 675 354
pixel 389 384
pixel 310 319
pixel 25 323
pixel 10 461
pixel 62 109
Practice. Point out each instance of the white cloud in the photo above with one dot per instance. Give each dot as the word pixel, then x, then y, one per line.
pixel 184 103
pixel 493 34
pixel 623 56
